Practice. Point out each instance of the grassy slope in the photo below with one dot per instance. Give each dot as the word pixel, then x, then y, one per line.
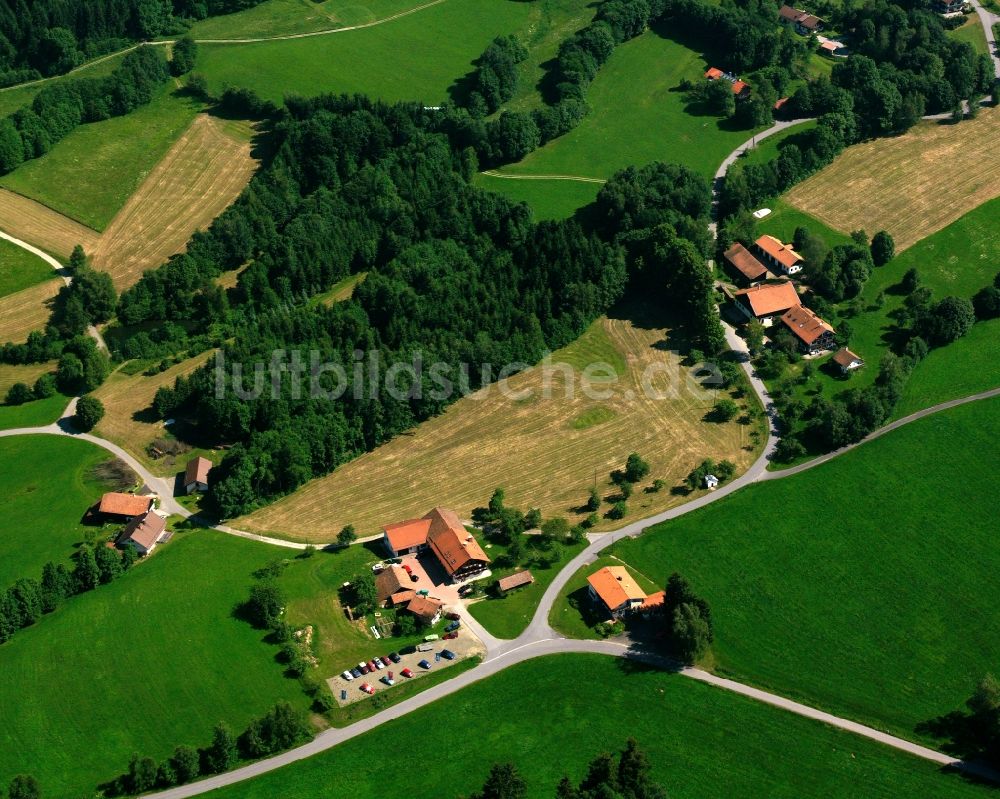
pixel 146 663
pixel 635 120
pixel 90 174
pixel 769 148
pixel 20 269
pixel 549 199
pixel 280 17
pixel 857 586
pixel 413 58
pixel 44 483
pixel 971 32
pixel 32 414
pixel 703 743
pixel 16 97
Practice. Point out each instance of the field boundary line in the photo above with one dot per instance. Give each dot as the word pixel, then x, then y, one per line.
pixel 494 174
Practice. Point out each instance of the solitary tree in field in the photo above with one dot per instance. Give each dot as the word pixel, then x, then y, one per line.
pixel 635 468
pixel 725 410
pixel 883 248
pixel 347 535
pixel 24 786
pixel 89 411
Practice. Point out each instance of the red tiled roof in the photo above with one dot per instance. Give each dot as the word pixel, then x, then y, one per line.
pixel 424 606
pixel 770 298
pixel 782 253
pixel 778 105
pixel 197 471
pixel 452 543
pixel 615 586
pixel 411 533
pixel 739 87
pixel 145 530
pixel 844 357
pixel 654 601
pixel 742 260
pixel 516 580
pixel 390 581
pixel 805 324
pixel 117 504
pixel 789 13
pixel 713 73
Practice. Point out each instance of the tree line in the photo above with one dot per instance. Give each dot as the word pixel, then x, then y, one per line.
pixel 623 775
pixel 25 602
pixel 42 38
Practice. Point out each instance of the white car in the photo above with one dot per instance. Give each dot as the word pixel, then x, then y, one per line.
pixel 378 567
pixel 347 676
pixel 378 663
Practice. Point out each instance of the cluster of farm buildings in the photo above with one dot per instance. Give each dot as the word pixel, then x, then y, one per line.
pixel 144 526
pixel 770 296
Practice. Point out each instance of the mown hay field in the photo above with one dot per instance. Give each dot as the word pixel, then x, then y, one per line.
pixel 910 185
pixel 546 452
pixel 203 172
pixel 39 225
pixel 27 310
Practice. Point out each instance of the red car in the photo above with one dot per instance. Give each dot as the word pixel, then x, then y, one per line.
pixel 368 689
pixel 372 666
pixel 406 673
pixel 407 569
pixel 450 636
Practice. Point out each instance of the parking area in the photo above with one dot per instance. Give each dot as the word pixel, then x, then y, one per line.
pixel 347 692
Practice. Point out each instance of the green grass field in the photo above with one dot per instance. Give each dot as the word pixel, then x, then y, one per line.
pixel 90 174
pixel 703 743
pixel 32 414
pixel 769 148
pixel 15 97
pixel 416 57
pixel 971 32
pixel 857 587
pixel 508 616
pixel 46 488
pixel 20 269
pixel 573 613
pixel 784 219
pixel 282 17
pixel 549 199
pixel 638 116
pixel 150 661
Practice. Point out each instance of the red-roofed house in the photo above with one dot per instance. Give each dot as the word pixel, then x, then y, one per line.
pixel 144 532
pixel 615 589
pixel 196 475
pixel 444 534
pixel 847 360
pixel 813 333
pixel 781 256
pixel 427 609
pixel 740 88
pixel 123 507
pixel 713 73
pixel 766 300
pixel 743 261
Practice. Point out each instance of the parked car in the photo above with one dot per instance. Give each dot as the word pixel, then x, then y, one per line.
pixel 414 578
pixel 364 667
pixel 447 654
pixel 371 666
pixel 424 647
pixel 424 664
pixel 378 567
pixel 379 664
pixel 407 569
pixel 347 675
pixel 407 672
pixel 368 689
pixel 394 561
pixel 394 657
pixel 388 680
pixel 465 590
pixel 453 626
pixel 451 636
pixel 431 637
pixel 408 650
pixel 355 672
pixel 452 615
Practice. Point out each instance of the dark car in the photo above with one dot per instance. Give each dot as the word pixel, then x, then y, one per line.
pixel 394 657
pixel 424 664
pixel 453 626
pixel 465 590
pixel 450 636
pixel 414 578
pixel 364 668
pixel 447 654
pixel 452 615
pixel 356 672
pixel 408 650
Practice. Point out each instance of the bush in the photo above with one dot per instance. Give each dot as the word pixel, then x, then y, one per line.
pixel 18 394
pixel 635 468
pixel 45 386
pixel 89 411
pixel 725 410
pixel 618 511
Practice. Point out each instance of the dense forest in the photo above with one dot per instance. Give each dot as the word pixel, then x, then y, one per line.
pixel 49 37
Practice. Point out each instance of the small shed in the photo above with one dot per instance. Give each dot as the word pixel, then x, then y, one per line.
pixel 847 360
pixel 515 581
pixel 711 481
pixel 196 475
